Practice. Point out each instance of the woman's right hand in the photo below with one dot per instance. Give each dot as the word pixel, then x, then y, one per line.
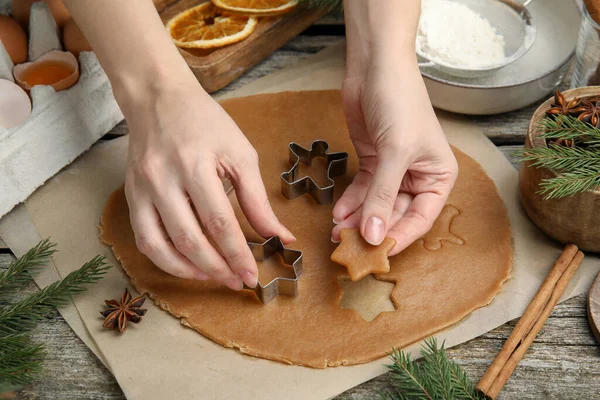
pixel 182 145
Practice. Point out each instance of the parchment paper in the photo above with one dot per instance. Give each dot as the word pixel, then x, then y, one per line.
pixel 161 359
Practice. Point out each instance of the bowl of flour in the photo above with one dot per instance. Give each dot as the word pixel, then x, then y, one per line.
pixel 472 38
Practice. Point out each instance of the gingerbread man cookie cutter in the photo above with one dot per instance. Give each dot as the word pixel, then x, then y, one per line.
pixel 280 285
pixel 292 187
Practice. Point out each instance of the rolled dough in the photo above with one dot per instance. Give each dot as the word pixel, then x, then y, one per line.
pixel 433 288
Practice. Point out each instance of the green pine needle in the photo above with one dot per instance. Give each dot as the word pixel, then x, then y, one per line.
pixel 436 364
pixel 21 366
pixel 577 168
pixel 18 273
pixel 408 376
pixel 571 128
pixel 24 315
pixel 330 5
pixel 435 377
pixel 20 357
pixel 562 158
pixel 568 183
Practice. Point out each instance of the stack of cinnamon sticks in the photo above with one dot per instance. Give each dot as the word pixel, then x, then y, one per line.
pixel 531 322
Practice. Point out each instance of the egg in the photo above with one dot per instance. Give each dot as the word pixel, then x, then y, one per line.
pixel 22 8
pixel 58 69
pixel 14 39
pixel 73 38
pixel 15 106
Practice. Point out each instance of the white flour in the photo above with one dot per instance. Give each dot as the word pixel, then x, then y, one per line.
pixel 452 33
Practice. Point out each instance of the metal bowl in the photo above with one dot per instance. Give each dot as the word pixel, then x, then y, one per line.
pixel 522 82
pixel 510 19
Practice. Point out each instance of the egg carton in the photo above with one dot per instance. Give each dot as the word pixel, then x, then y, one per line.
pixel 62 124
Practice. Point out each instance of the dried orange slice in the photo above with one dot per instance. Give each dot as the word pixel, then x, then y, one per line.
pixel 206 26
pixel 257 7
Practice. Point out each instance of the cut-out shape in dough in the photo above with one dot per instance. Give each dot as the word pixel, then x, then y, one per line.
pixel 368 306
pixel 442 230
pixel 273 267
pixel 361 258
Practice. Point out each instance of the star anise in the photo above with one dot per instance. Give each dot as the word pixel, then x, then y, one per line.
pixel 563 142
pixel 117 314
pixel 561 106
pixel 590 112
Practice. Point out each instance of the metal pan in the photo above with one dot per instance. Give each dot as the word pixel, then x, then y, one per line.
pixel 523 82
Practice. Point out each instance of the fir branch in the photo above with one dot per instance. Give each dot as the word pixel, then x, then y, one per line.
pixel 23 316
pixel 562 158
pixel 463 386
pixel 12 343
pixel 19 272
pixel 20 357
pixel 436 366
pixel 21 366
pixel 330 5
pixel 570 128
pixel 436 377
pixel 569 183
pixel 577 167
pixel 407 376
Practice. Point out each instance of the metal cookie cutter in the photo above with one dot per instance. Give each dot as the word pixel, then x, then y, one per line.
pixel 291 187
pixel 281 285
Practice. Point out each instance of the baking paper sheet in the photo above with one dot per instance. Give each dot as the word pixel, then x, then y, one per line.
pixel 162 359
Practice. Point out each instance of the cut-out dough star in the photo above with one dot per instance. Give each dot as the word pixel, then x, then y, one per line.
pixel 441 230
pixel 361 258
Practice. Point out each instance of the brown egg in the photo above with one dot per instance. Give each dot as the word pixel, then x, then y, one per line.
pixel 58 69
pixel 14 39
pixel 22 8
pixel 73 38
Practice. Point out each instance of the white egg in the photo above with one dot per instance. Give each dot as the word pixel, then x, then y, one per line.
pixel 15 106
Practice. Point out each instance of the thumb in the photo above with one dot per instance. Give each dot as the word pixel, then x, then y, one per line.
pixel 381 195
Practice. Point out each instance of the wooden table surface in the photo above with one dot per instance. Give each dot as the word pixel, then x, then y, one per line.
pixel 563 362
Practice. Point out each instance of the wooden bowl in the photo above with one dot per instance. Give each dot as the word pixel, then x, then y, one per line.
pixel 573 219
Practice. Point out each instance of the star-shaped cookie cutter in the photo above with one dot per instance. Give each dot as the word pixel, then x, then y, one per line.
pixel 336 163
pixel 280 285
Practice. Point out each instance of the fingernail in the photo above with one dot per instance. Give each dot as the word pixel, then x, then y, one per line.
pixel 201 276
pixel 249 278
pixel 234 284
pixel 335 222
pixel 291 236
pixel 374 231
pixel 335 241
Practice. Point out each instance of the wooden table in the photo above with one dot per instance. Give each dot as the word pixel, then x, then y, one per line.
pixel 563 362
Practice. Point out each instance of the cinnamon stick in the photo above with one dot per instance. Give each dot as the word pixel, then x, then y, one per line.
pixel 531 322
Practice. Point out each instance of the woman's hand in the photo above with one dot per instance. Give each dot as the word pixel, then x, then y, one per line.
pixel 182 146
pixel 407 168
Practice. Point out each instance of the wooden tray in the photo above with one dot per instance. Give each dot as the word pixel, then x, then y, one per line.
pixel 216 69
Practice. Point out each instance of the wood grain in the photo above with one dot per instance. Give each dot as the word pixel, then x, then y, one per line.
pixel 573 219
pixel 593 307
pixel 215 69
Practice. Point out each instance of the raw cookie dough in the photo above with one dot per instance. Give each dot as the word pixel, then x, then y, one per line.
pixel 361 258
pixel 433 289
